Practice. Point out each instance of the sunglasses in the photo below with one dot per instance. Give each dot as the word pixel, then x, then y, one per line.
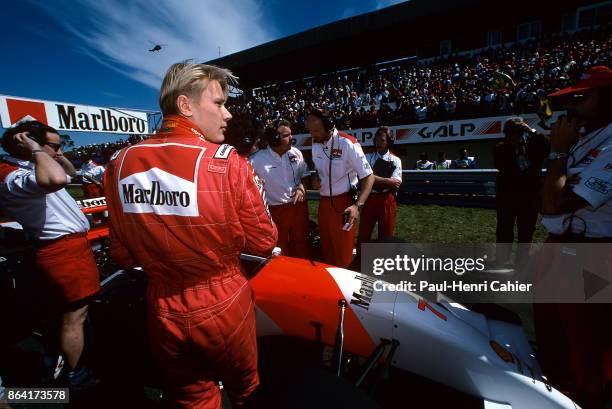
pixel 55 146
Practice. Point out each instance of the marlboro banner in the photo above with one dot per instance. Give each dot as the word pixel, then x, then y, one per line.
pixel 449 131
pixel 72 117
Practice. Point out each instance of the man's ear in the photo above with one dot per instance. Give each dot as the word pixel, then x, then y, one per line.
pixel 183 105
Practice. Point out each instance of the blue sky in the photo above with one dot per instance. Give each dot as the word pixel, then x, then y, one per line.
pixel 95 52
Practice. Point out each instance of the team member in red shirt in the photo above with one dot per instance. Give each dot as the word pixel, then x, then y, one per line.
pixel 283 169
pixel 341 164
pixel 32 180
pixel 183 206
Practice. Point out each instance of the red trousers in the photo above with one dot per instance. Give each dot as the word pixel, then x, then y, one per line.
pixel 204 334
pixel 92 190
pixel 68 266
pixel 292 223
pixel 380 208
pixel 574 340
pixel 337 244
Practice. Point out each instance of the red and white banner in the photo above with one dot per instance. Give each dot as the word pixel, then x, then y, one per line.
pixel 449 131
pixel 72 117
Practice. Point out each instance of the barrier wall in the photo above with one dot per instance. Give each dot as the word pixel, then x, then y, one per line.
pixel 448 131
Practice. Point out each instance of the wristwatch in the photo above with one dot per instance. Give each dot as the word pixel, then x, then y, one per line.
pixel 35 151
pixel 556 155
pixel 359 206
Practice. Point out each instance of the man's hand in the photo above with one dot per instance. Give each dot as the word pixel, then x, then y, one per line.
pixel 299 194
pixel 563 134
pixel 65 163
pixel 394 184
pixel 23 141
pixel 353 212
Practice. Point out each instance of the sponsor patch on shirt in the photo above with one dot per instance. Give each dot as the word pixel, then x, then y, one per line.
pixel 259 182
pixel 292 158
pixel 336 153
pixel 223 151
pixel 157 191
pixel 598 185
pixel 217 166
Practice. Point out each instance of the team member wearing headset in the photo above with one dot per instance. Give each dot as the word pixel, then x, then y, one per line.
pixel 341 164
pixel 284 171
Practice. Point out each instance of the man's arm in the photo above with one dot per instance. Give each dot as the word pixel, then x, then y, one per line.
pixel 92 180
pixel 49 174
pixel 304 175
pixel 557 194
pixel 387 182
pixel 366 188
pixel 361 166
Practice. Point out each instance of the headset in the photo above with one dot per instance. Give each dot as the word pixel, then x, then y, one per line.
pixel 273 137
pixel 326 117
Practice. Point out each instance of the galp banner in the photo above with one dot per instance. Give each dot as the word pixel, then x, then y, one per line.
pixel 72 117
pixel 449 131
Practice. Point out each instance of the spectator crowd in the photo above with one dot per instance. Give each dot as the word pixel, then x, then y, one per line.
pixel 101 152
pixel 457 87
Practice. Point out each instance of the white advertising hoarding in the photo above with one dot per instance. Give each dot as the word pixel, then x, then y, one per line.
pixel 73 117
pixel 449 131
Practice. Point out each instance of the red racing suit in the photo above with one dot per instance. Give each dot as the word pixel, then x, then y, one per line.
pixel 183 209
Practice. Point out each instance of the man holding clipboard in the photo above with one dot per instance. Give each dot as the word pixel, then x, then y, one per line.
pixel 381 206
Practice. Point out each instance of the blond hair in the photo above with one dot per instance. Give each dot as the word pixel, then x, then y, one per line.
pixel 190 79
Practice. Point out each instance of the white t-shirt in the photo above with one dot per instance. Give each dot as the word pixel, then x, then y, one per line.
pixel 348 163
pixel 591 158
pixel 281 174
pixel 43 215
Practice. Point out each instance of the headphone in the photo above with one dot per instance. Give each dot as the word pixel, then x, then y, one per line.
pixel 326 117
pixel 273 137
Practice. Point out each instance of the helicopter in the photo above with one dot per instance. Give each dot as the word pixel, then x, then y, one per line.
pixel 156 47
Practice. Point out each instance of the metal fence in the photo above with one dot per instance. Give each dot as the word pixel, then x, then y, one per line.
pixel 453 187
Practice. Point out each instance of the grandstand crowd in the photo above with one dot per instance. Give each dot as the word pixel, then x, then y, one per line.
pixel 505 80
pixel 100 153
pixel 457 87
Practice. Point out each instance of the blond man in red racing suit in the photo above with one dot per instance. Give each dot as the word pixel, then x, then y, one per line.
pixel 183 206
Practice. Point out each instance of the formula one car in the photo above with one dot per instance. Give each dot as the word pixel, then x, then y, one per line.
pixel 317 322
